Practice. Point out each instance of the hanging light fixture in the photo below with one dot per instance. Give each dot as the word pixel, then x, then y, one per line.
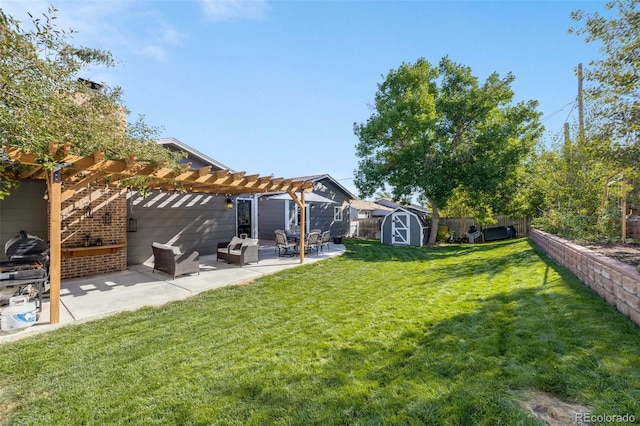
pixel 132 225
pixel 228 204
pixel 88 211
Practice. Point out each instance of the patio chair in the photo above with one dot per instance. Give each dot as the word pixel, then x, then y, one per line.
pixel 283 244
pixel 292 234
pixel 170 260
pixel 325 240
pixel 239 250
pixel 311 242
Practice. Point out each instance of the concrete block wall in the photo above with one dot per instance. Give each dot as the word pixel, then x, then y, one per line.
pixel 616 282
pixel 76 224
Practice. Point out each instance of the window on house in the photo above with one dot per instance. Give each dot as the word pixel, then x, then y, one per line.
pixel 337 214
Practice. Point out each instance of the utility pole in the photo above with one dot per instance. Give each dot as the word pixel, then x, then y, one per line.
pixel 580 107
pixel 624 207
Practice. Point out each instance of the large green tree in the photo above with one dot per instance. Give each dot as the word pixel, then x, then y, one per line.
pixel 44 99
pixel 615 77
pixel 437 129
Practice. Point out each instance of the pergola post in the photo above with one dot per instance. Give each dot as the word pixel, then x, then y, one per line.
pixel 55 234
pixel 300 203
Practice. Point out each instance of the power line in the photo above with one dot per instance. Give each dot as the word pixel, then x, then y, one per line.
pixel 553 114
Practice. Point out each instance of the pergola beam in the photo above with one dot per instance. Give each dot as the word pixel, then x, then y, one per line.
pixel 84 170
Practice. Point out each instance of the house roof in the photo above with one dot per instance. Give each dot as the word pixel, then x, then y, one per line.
pixel 369 205
pixel 204 160
pixel 318 178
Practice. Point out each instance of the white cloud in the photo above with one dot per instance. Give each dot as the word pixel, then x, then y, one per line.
pixel 171 36
pixel 107 25
pixel 222 10
pixel 155 52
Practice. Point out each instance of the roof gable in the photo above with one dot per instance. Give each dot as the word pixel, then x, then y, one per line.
pixel 194 156
pixel 338 185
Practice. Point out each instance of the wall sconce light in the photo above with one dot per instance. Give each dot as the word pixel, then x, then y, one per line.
pixel 133 225
pixel 228 204
pixel 106 219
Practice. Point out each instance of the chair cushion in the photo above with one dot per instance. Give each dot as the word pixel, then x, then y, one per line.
pixel 235 243
pixel 174 249
pixel 250 242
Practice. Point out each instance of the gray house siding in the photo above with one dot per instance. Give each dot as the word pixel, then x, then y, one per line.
pixel 190 221
pixel 24 209
pixel 322 214
pixel 271 216
pixel 272 213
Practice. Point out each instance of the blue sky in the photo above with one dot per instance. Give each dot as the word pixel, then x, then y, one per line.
pixel 274 87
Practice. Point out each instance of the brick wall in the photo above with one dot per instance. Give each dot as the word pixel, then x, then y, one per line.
pixel 84 214
pixel 614 281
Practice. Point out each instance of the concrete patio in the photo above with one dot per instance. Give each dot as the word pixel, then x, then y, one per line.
pixel 88 298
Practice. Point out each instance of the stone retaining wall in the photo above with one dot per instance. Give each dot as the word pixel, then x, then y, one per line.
pixel 614 281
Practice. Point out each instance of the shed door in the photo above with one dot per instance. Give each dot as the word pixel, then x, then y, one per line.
pixel 400 229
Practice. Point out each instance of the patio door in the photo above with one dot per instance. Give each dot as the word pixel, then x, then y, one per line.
pixel 244 217
pixel 306 216
pixel 400 229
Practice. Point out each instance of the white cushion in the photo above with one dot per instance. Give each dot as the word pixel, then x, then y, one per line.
pixel 174 249
pixel 250 242
pixel 235 241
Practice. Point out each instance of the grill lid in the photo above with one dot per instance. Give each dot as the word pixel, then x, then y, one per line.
pixel 25 245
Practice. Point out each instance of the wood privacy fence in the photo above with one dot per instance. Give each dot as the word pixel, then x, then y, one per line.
pixel 633 227
pixel 370 228
pixel 462 224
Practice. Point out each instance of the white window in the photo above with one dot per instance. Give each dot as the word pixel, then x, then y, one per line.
pixel 337 214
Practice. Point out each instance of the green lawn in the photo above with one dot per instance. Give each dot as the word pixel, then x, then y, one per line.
pixel 382 335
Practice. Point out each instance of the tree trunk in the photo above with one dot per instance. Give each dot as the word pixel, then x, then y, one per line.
pixel 435 217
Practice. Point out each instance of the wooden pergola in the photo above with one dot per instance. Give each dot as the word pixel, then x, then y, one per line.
pixel 72 173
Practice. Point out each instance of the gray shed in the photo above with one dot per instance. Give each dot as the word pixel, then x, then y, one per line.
pixel 405 227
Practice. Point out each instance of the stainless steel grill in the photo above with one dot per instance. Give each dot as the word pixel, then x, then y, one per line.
pixel 28 266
